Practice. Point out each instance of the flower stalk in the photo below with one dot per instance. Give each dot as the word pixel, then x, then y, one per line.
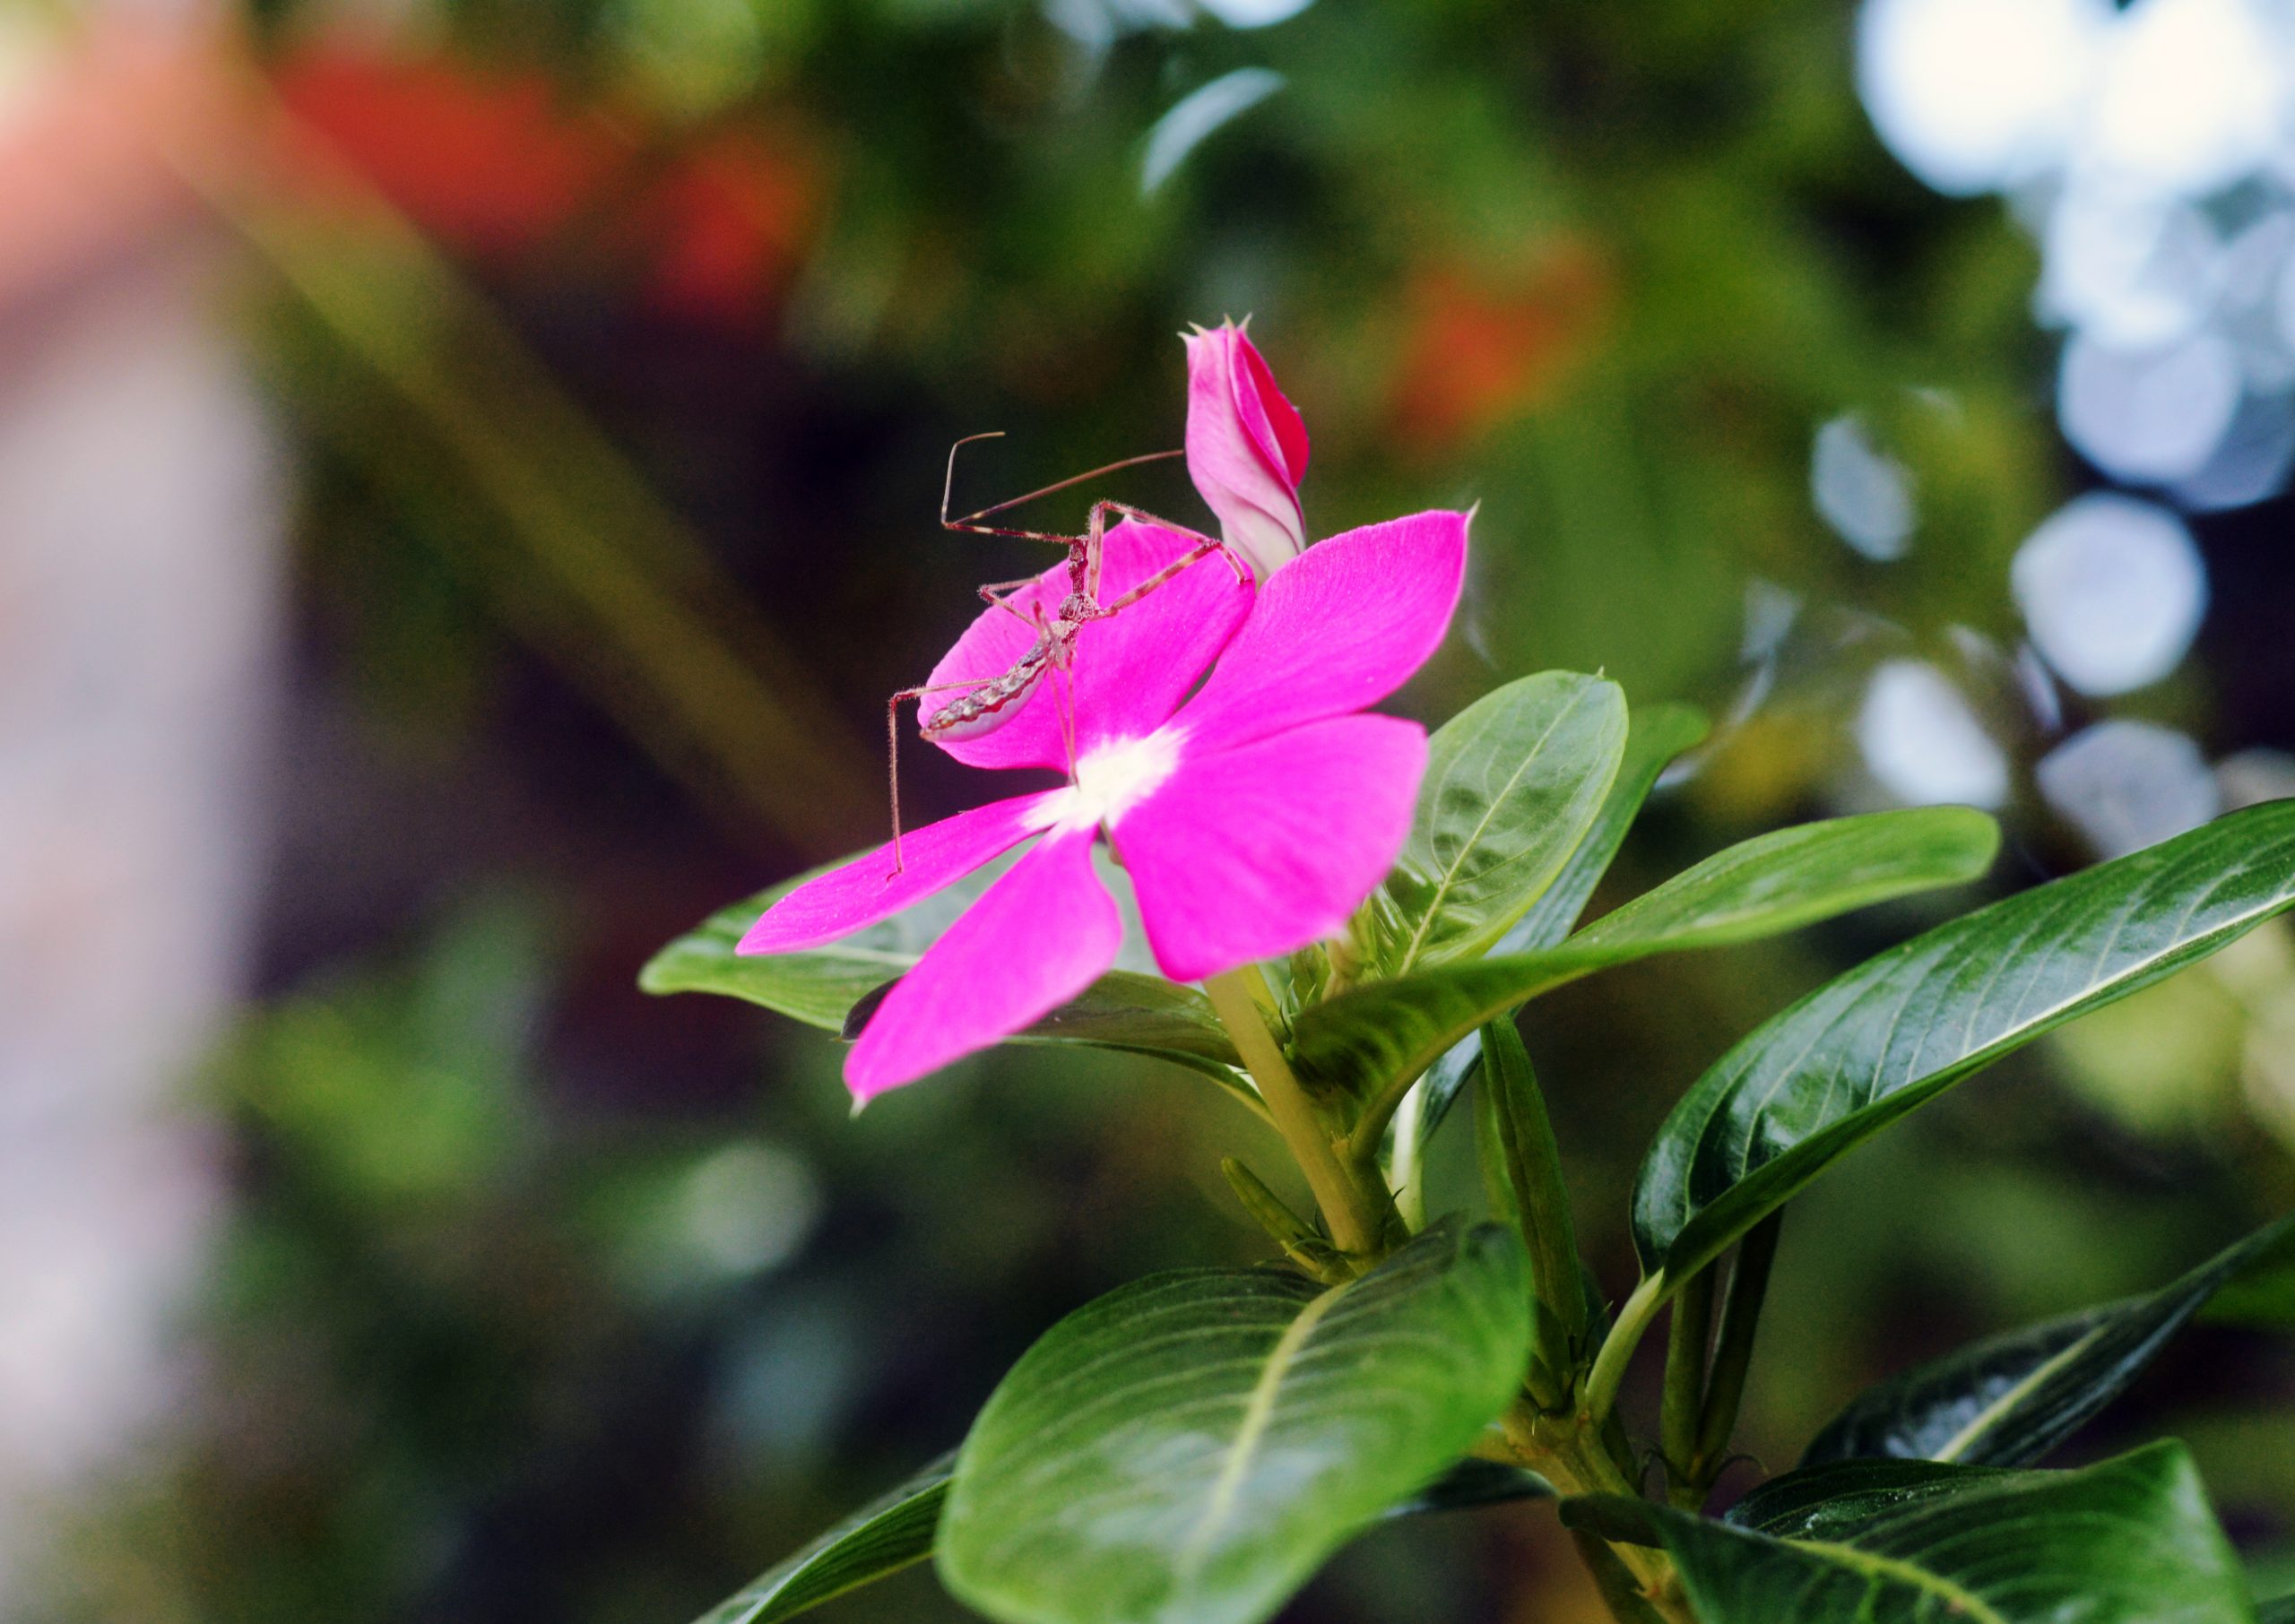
pixel 1359 1220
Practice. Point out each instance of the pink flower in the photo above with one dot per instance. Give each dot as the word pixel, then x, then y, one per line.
pixel 1253 817
pixel 1246 447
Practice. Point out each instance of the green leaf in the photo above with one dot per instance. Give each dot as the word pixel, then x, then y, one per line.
pixel 895 1530
pixel 1512 785
pixel 824 986
pixel 2010 1399
pixel 1394 1029
pixel 890 1532
pixel 817 986
pixel 1654 737
pixel 2280 1611
pixel 1834 1499
pixel 1819 1079
pixel 1187 1449
pixel 2131 1540
pixel 2262 1293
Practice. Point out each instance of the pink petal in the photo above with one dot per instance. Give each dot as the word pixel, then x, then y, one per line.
pixel 1241 438
pixel 1132 669
pixel 1037 937
pixel 1340 628
pixel 1269 408
pixel 866 890
pixel 1249 853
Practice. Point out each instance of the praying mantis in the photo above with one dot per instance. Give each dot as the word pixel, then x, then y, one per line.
pixel 982 704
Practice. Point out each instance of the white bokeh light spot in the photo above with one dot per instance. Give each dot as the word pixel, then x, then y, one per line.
pixel 2126 785
pixel 2112 590
pixel 1923 743
pixel 2155 416
pixel 1972 95
pixel 1862 492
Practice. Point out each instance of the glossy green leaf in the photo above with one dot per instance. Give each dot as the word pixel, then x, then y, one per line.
pixel 822 987
pixel 1513 783
pixel 1834 1499
pixel 1395 1029
pixel 1187 1449
pixel 1814 1082
pixel 2279 1611
pixel 890 1532
pixel 1654 737
pixel 2010 1399
pixel 896 1530
pixel 2132 1541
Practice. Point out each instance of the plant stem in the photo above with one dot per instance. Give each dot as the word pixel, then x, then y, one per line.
pixel 1732 1353
pixel 1570 1454
pixel 1358 1219
pixel 1620 1590
pixel 1617 1348
pixel 1684 1407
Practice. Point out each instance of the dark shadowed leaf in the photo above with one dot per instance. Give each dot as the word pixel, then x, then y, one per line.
pixel 1836 1498
pixel 1654 737
pixel 2262 1293
pixel 1187 1449
pixel 1513 782
pixel 1814 1082
pixel 1777 882
pixel 2131 1540
pixel 2280 1611
pixel 890 1532
pixel 1471 1483
pixel 2010 1399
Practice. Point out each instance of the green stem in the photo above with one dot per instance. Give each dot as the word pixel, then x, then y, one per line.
pixel 1620 1590
pixel 1684 1406
pixel 1358 1219
pixel 1617 1348
pixel 1732 1353
pixel 1569 1454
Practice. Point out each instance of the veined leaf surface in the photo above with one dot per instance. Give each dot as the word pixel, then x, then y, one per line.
pixel 2008 1400
pixel 1187 1449
pixel 1394 1029
pixel 2132 1541
pixel 1814 1082
pixel 1513 783
pixel 1654 737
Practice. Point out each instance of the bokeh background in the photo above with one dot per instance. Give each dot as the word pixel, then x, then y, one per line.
pixel 467 474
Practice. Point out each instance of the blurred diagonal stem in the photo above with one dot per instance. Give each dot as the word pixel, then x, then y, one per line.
pixel 605 576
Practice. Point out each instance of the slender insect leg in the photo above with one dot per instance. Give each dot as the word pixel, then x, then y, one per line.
pixel 1057 486
pixel 1096 536
pixel 1194 554
pixel 892 750
pixel 988 596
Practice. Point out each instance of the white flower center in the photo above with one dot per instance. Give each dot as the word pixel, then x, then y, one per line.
pixel 1113 780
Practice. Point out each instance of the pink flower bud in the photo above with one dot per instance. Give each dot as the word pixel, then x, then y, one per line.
pixel 1246 448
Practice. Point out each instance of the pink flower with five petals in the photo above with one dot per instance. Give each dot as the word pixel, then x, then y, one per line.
pixel 1252 817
